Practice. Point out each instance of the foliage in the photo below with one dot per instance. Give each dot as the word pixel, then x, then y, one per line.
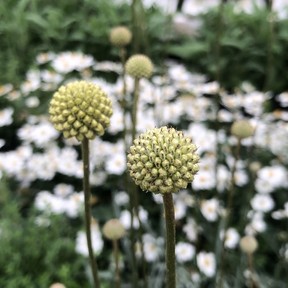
pixel 245 43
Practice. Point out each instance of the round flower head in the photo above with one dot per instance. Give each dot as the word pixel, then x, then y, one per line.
pixel 120 36
pixel 113 229
pixel 80 109
pixel 163 160
pixel 242 129
pixel 248 244
pixel 139 66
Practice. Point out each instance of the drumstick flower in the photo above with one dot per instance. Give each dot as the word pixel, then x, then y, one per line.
pixel 82 109
pixel 163 160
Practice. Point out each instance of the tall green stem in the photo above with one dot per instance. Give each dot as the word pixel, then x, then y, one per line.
pixel 87 195
pixel 135 107
pixel 116 258
pixel 228 213
pixel 170 240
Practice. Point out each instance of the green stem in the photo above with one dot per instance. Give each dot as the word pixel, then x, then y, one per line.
pixel 135 107
pixel 87 195
pixel 228 214
pixel 116 258
pixel 170 240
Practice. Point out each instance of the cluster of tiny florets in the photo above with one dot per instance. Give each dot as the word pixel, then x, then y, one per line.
pixel 120 36
pixel 139 66
pixel 163 160
pixel 80 109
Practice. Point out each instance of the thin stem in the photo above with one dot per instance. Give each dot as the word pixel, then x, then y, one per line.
pixel 116 258
pixel 87 195
pixel 135 107
pixel 228 214
pixel 170 240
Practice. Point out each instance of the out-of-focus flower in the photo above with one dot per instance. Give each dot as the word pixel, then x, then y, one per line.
pixel 113 229
pixel 6 117
pixel 139 66
pixel 68 61
pixel 206 263
pixel 97 241
pixel 120 36
pixel 262 203
pixel 121 198
pixel 184 252
pixel 57 285
pixel 180 209
pixel 231 238
pixel 210 209
pixel 116 164
pixel 125 218
pixel 248 244
pixel 191 230
pixel 152 247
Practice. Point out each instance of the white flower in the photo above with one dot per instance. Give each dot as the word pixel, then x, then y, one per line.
pixel 151 248
pixel 6 117
pixel 74 204
pixel 184 252
pixel 68 61
pixel 204 180
pixel 125 218
pixel 47 202
pixel 262 203
pixel 32 102
pixel 121 198
pixel 257 224
pixel 191 230
pixel 180 209
pixel 276 175
pixel 210 209
pixel 116 164
pixel 206 263
pixel 97 241
pixel 232 238
pixel 63 190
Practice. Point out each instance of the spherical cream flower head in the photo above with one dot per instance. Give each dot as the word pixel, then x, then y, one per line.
pixel 139 66
pixel 120 36
pixel 80 109
pixel 242 129
pixel 248 244
pixel 163 160
pixel 113 229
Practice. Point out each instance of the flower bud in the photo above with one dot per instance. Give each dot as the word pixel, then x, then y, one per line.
pixel 80 109
pixel 113 229
pixel 120 36
pixel 248 244
pixel 242 129
pixel 169 170
pixel 139 66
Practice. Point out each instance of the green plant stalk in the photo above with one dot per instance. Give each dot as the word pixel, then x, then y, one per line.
pixel 228 214
pixel 170 240
pixel 116 259
pixel 128 182
pixel 87 195
pixel 134 191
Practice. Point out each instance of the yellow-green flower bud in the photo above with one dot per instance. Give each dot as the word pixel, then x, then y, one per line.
pixel 242 129
pixel 168 170
pixel 113 229
pixel 139 66
pixel 248 244
pixel 80 109
pixel 120 36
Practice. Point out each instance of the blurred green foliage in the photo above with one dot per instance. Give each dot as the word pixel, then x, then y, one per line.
pixel 240 47
pixel 28 27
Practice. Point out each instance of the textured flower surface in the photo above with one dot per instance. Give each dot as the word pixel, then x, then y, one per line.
pixel 80 109
pixel 139 66
pixel 163 160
